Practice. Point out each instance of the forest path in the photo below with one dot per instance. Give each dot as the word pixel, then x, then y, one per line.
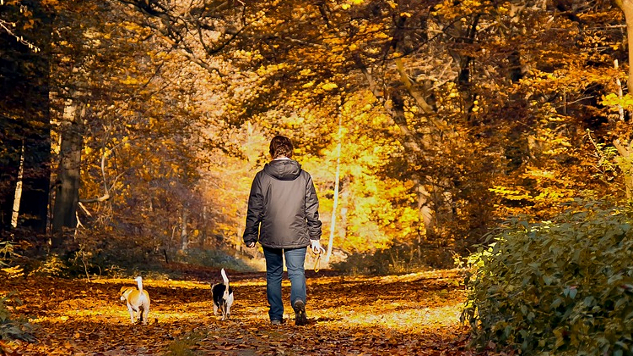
pixel 416 314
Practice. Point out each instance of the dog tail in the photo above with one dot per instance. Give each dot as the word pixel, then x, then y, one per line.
pixel 139 280
pixel 225 278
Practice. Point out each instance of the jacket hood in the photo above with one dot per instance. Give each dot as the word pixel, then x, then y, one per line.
pixel 283 169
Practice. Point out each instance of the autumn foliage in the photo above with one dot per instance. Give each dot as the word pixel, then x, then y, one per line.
pixel 130 131
pixel 415 314
pixel 562 286
pixel 424 123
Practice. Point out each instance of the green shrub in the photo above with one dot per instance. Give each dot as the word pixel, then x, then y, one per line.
pixel 562 287
pixel 52 265
pixel 212 258
pixel 184 346
pixel 397 259
pixel 13 328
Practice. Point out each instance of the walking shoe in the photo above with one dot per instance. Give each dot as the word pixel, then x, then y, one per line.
pixel 300 312
pixel 275 322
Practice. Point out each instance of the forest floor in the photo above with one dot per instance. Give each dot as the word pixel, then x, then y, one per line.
pixel 414 314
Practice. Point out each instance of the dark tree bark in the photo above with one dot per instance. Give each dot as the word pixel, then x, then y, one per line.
pixel 68 177
pixel 37 156
pixel 25 96
pixel 12 86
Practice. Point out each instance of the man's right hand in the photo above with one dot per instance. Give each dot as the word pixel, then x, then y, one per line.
pixel 250 244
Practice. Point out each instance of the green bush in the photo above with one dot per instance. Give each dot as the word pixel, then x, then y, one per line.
pixel 397 259
pixel 212 258
pixel 13 328
pixel 562 287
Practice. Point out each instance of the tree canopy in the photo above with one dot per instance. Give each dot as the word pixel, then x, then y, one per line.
pixel 147 119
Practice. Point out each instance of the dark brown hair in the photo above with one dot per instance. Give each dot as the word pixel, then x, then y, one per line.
pixel 280 146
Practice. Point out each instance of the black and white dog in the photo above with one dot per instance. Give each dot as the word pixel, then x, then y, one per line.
pixel 222 297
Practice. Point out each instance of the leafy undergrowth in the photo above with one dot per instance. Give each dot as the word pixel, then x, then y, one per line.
pixel 416 314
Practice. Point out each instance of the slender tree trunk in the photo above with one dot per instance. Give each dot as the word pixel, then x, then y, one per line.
pixel 67 187
pixel 626 150
pixel 627 8
pixel 620 92
pixel 34 202
pixel 336 187
pixel 18 191
pixel 184 237
pixel 24 110
pixel 10 153
pixel 203 233
pixel 12 107
pixel 409 140
pixel 37 155
pixel 342 226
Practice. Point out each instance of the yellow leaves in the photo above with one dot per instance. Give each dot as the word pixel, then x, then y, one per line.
pixel 614 100
pixel 29 24
pixel 247 55
pixel 329 86
pixel 129 81
pixel 510 194
pixel 270 69
pixel 134 27
pixel 306 72
pixel 349 3
pixel 322 87
pixel 13 272
pixel 293 121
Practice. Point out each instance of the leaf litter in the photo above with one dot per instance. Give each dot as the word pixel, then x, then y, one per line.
pixel 416 314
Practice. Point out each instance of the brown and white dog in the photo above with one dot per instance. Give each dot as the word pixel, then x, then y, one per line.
pixel 137 300
pixel 222 297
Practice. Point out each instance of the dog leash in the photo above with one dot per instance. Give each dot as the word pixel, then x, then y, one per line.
pixel 317 263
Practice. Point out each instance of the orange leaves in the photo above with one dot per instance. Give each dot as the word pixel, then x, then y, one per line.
pixel 405 315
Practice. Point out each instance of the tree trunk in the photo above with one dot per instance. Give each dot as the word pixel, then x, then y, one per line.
pixel 425 203
pixel 336 187
pixel 184 237
pixel 68 179
pixel 626 150
pixel 24 117
pixel 395 109
pixel 10 153
pixel 627 8
pixel 15 214
pixel 37 142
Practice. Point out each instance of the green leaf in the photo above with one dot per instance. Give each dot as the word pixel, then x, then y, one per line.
pixel 548 280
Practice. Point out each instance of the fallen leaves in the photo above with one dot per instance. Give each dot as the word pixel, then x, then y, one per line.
pixel 396 315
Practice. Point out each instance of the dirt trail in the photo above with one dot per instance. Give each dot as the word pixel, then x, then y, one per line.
pixel 396 315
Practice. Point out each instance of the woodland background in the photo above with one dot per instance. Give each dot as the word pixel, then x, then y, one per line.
pixel 131 131
pixel 133 128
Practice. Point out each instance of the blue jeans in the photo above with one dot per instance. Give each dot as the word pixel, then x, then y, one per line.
pixel 295 259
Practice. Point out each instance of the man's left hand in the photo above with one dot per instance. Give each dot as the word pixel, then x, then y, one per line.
pixel 316 247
